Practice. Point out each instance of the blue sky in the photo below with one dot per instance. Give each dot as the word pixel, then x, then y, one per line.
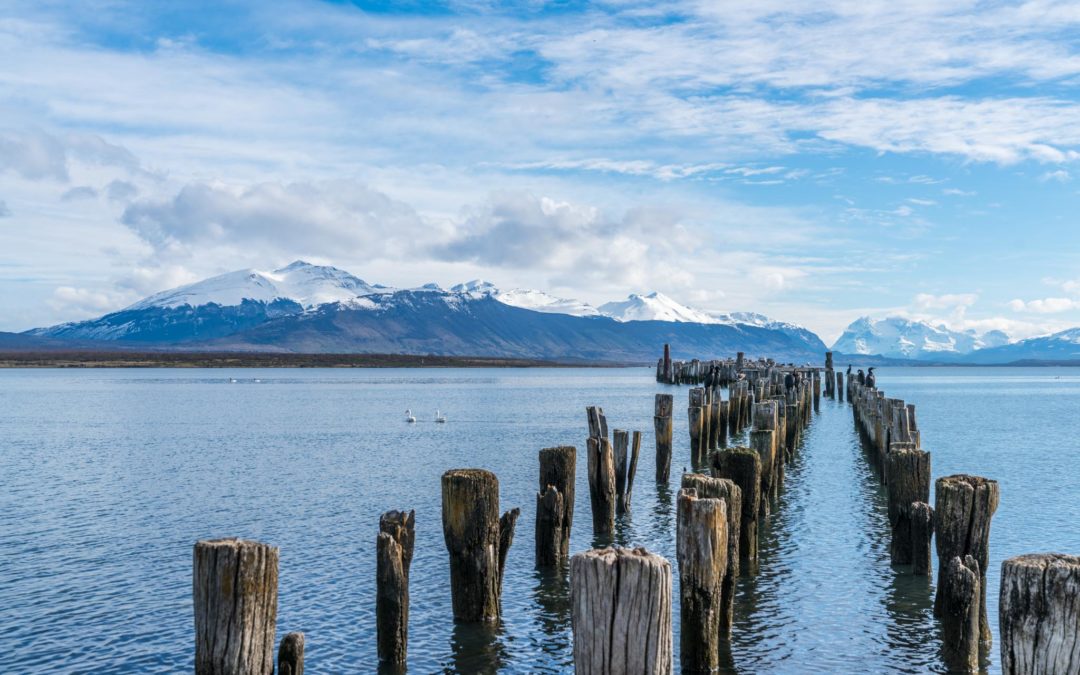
pixel 812 162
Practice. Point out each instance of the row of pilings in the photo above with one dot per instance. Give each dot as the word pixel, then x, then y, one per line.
pixel 1039 601
pixel 622 598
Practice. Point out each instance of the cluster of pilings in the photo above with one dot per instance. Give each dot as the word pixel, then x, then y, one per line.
pixel 622 598
pixel 1040 621
pixel 709 372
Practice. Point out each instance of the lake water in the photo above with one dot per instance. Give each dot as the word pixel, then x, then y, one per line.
pixel 107 478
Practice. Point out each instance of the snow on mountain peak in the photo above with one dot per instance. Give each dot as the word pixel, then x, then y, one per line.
pixel 899 337
pixel 654 307
pixel 539 301
pixel 306 284
pixel 477 286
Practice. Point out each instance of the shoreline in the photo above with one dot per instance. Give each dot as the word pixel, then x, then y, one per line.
pixel 126 359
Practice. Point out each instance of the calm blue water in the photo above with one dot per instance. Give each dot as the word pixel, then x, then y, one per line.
pixel 107 478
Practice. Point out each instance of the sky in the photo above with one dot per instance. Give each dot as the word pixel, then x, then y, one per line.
pixel 815 162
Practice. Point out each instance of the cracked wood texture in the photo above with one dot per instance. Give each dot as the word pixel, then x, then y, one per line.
pixel 393 556
pixel 727 490
pixel 1039 614
pixel 761 440
pixel 290 658
pixel 960 615
pixel 743 467
pixel 602 485
pixel 235 588
pixel 963 507
pixel 922 529
pixel 701 549
pixel 907 475
pixel 662 426
pixel 621 612
pixel 555 505
pixel 477 540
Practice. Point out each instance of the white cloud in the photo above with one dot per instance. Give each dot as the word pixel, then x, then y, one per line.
pixel 86 303
pixel 4 210
pixel 1044 305
pixel 1059 175
pixel 925 301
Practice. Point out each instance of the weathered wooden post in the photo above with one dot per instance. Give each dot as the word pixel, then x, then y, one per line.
pixel 597 422
pixel 668 375
pixel 555 505
pixel 477 539
pixel 394 552
pixel 602 485
pixel 662 425
pixel 1039 614
pixel 235 592
pixel 722 424
pixel 290 657
pixel 963 507
pixel 907 473
pixel 621 612
pixel 960 615
pixel 743 467
pixel 761 440
pixel 729 492
pixel 625 467
pixel 840 385
pixel 702 548
pixel 696 417
pixel 717 423
pixel 922 528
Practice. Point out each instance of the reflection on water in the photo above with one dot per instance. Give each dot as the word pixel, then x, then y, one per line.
pixel 107 478
pixel 477 648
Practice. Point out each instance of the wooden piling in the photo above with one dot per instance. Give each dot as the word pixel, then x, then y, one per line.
pixel 477 539
pixel 907 473
pixel 715 423
pixel 555 505
pixel 743 466
pixel 694 416
pixel 960 615
pixel 291 654
pixel 761 440
pixel 729 492
pixel 840 386
pixel 702 548
pixel 625 466
pixel 631 471
pixel 1039 614
pixel 963 507
pixel 394 553
pixel 602 486
pixel 621 612
pixel 722 424
pixel 662 425
pixel 922 528
pixel 235 592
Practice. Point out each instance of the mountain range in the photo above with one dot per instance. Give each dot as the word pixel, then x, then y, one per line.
pixel 318 309
pixel 309 308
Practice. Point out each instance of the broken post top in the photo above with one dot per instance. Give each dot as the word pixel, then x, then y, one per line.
pixel 664 405
pixel 963 481
pixel 232 543
pixel 470 502
pixel 616 555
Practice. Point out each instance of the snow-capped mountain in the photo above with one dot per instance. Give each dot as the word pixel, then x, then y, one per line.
pixel 1061 346
pixel 303 283
pixel 897 337
pixel 537 301
pixel 654 307
pixel 308 308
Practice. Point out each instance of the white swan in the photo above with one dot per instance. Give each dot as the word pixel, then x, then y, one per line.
pixel 439 417
pixel 233 380
pixel 409 417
